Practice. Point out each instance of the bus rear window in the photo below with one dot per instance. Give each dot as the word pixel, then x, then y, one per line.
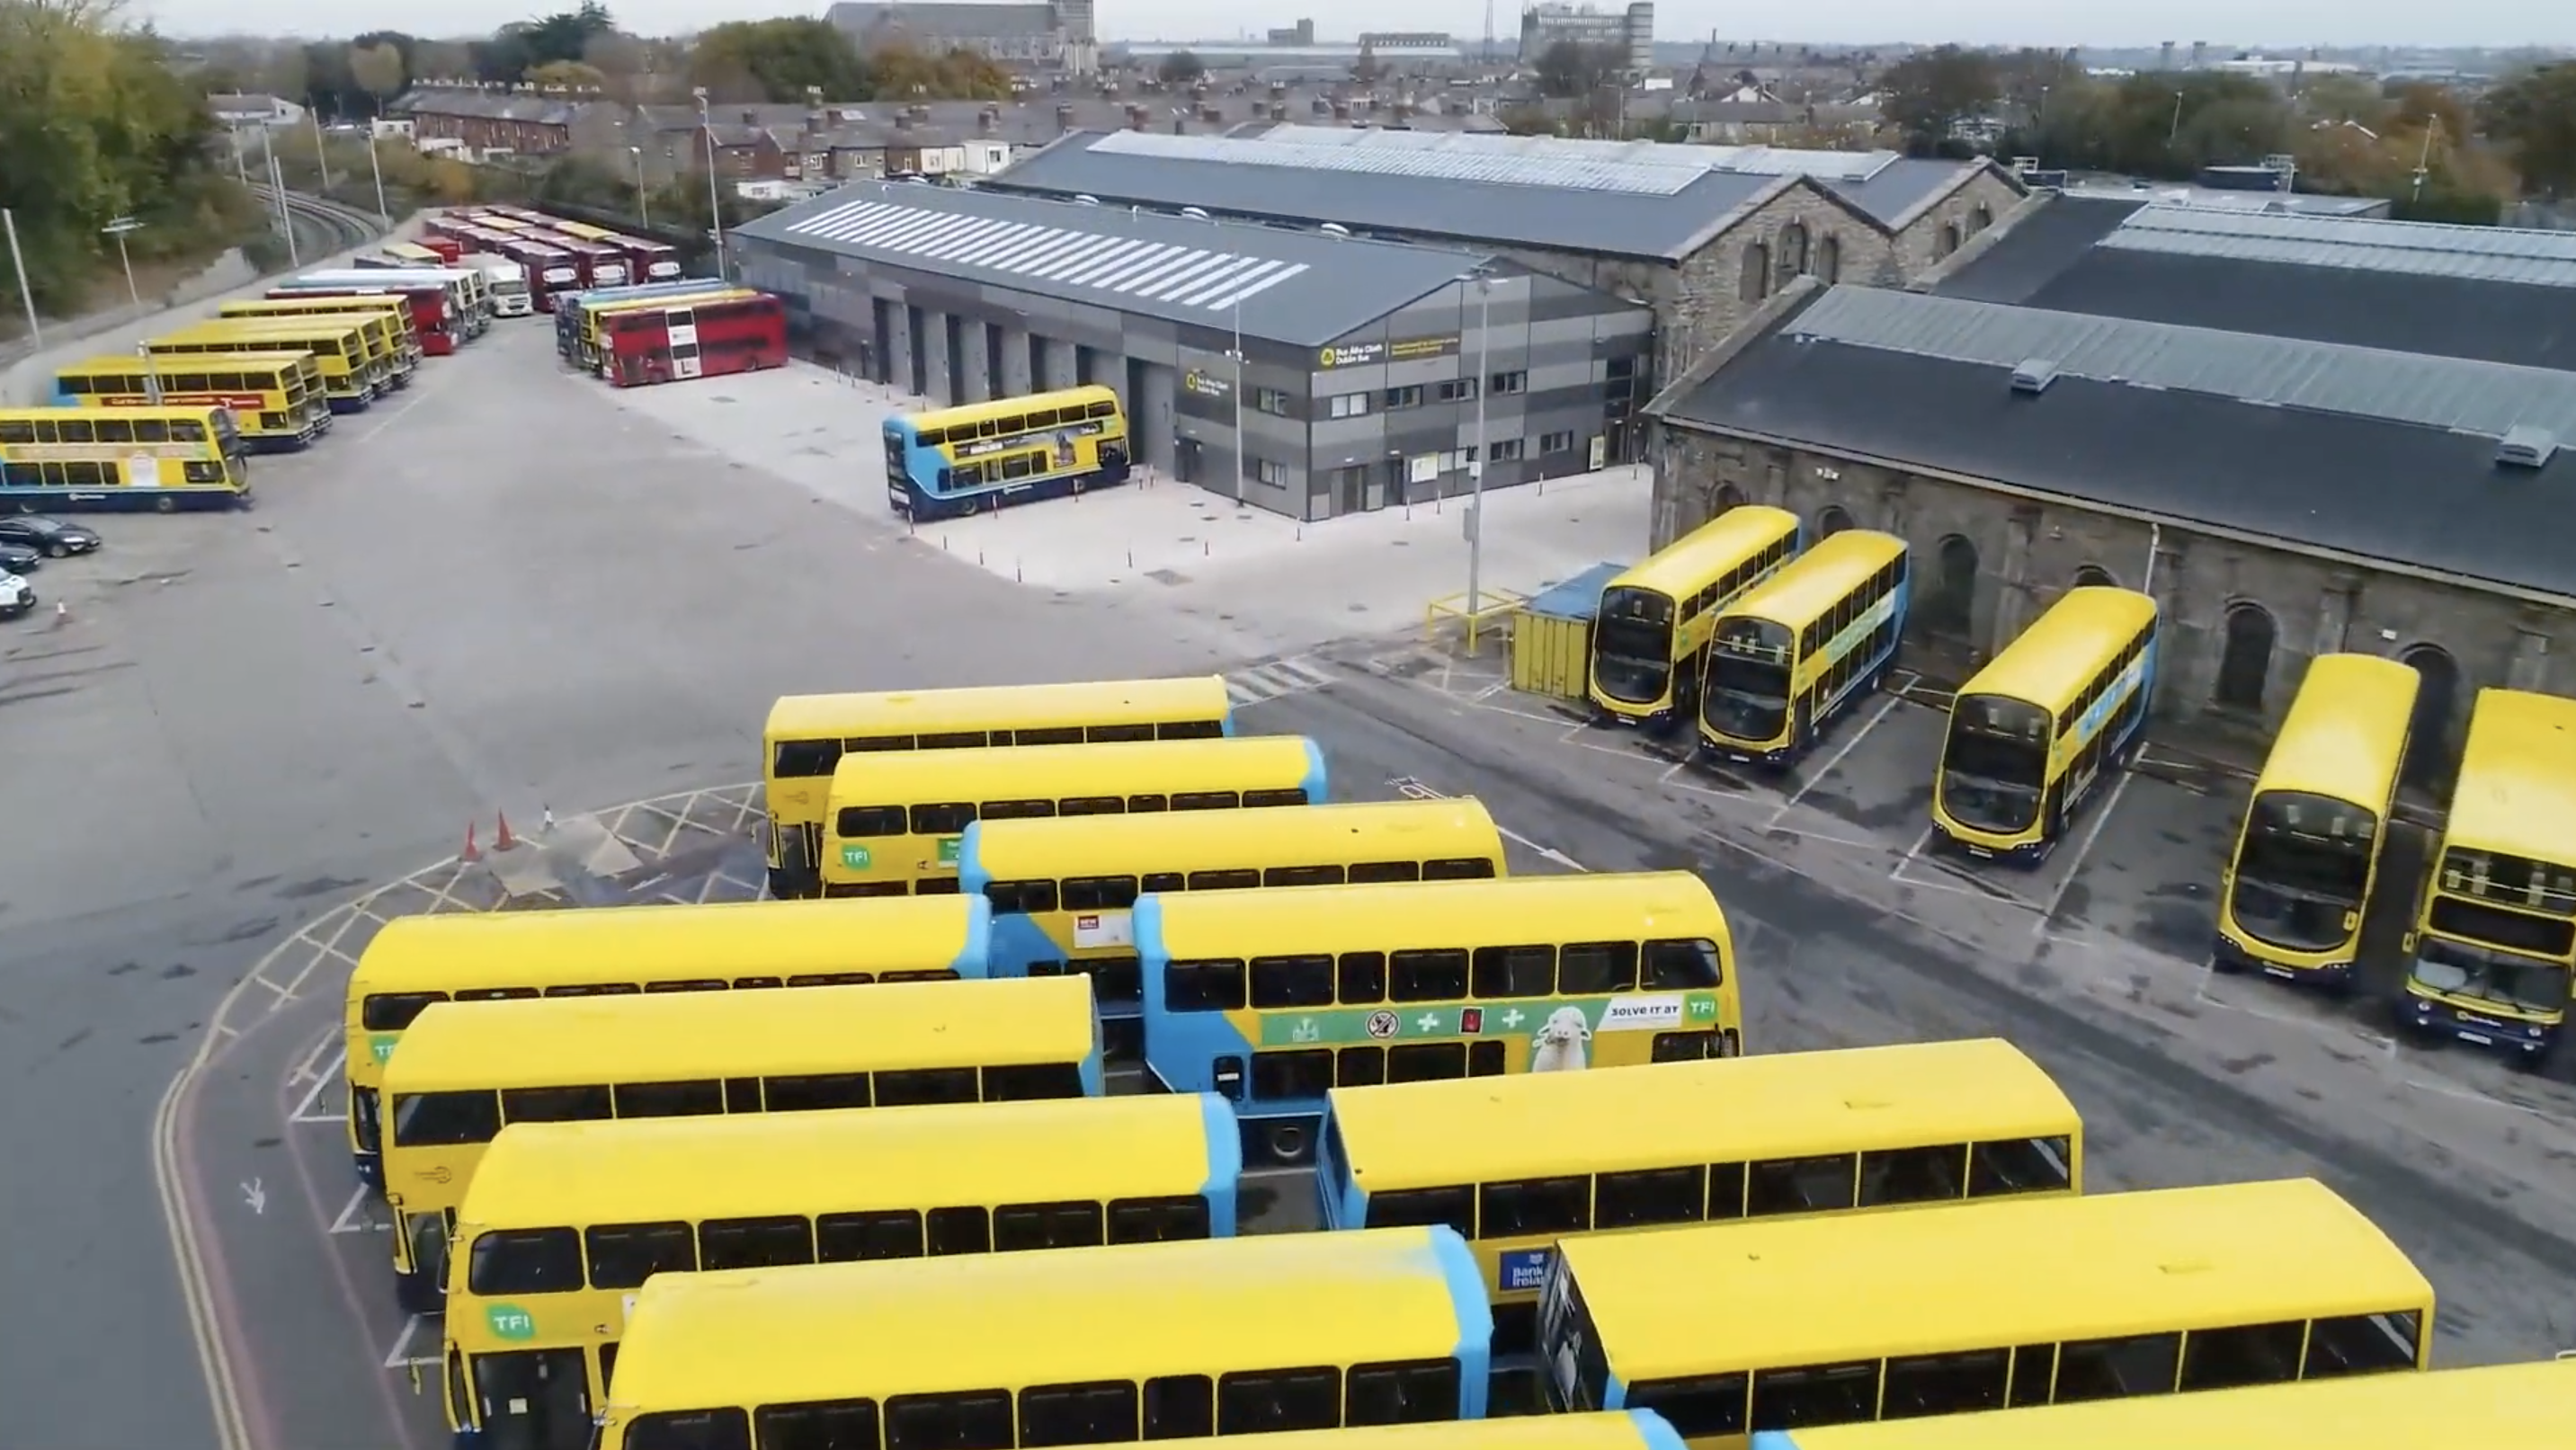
pixel 1674 965
pixel 394 1011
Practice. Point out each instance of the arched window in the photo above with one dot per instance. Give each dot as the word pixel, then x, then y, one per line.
pixel 2093 576
pixel 2428 748
pixel 2245 662
pixel 1829 260
pixel 1947 242
pixel 1952 604
pixel 1793 252
pixel 1727 496
pixel 1980 219
pixel 1831 521
pixel 1755 284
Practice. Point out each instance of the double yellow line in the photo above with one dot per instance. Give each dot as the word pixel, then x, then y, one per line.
pixel 214 1356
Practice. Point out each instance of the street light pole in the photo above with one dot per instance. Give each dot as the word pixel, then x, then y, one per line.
pixel 1476 470
pixel 277 191
pixel 715 207
pixel 117 229
pixel 643 198
pixel 378 163
pixel 1241 480
pixel 26 294
pixel 321 158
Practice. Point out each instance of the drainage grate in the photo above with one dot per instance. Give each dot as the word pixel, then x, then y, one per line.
pixel 1167 576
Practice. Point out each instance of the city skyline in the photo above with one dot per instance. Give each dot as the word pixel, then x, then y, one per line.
pixel 2277 26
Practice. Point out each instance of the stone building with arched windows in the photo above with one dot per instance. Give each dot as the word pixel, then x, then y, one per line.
pixel 2279 497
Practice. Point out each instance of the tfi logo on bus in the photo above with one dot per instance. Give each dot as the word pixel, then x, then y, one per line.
pixel 1524 1269
pixel 509 1321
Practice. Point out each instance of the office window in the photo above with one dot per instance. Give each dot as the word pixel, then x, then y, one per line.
pixel 1505 449
pixel 1274 474
pixel 1270 400
pixel 1557 443
pixel 1456 390
pixel 1404 397
pixel 1506 384
pixel 1350 405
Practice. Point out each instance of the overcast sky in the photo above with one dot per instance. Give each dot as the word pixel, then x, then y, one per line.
pixel 2233 24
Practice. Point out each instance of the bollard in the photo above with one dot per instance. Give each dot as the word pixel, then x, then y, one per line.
pixel 979 558
pixel 1016 576
pixel 943 543
pixel 1301 534
pixel 1131 558
pixel 1206 548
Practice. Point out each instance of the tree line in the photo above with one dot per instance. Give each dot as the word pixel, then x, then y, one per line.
pixel 2422 145
pixel 97 125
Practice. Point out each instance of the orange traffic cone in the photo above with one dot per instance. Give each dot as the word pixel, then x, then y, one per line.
pixel 471 852
pixel 502 840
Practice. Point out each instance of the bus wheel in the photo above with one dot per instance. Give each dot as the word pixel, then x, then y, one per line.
pixel 166 504
pixel 1285 1142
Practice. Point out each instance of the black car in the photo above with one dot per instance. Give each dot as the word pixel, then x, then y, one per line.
pixel 54 537
pixel 16 558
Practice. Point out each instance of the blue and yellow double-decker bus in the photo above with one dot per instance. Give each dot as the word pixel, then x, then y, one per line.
pixel 1652 633
pixel 163 459
pixel 1799 648
pixel 2294 895
pixel 950 462
pixel 2032 733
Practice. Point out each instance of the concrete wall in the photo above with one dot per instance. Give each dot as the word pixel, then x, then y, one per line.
pixel 2028 552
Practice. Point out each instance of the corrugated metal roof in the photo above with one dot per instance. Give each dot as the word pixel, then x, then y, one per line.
pixel 1303 288
pixel 2433 249
pixel 2456 394
pixel 1644 167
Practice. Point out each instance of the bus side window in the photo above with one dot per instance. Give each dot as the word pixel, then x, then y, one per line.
pixel 1944 1384
pixel 1228 880
pixel 1460 868
pixel 1596 968
pixel 2113 1369
pixel 2251 1354
pixel 949 819
pixel 862 822
pixel 1302 876
pixel 1256 798
pixel 2021 1165
pixel 1180 1407
pixel 1373 873
pixel 818 1423
pixel 1072 1224
pixel 1672 965
pixel 1255 1402
pixel 1015 810
pixel 1207 986
pixel 1091 805
pixel 624 1255
pixel 977 1418
pixel 1099 893
pixel 1649 1196
pixel 1026 898
pixel 1913 1175
pixel 1100 734
pixel 1208 800
pixel 1049 735
pixel 1165 881
pixel 2363 1344
pixel 1800 1185
pixel 1157 1220
pixel 842 1238
pixel 556 1105
pixel 1362 978
pixel 1077 1414
pixel 962 1230
pixel 1813 1395
pixel 1406 1393
pixel 1292 981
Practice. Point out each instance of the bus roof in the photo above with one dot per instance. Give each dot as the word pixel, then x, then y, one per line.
pixel 673 943
pixel 988 707
pixel 1015 850
pixel 121 363
pixel 1471 1130
pixel 602 314
pixel 1818 579
pixel 2345 735
pixel 192 413
pixel 1610 1430
pixel 1687 564
pixel 973 1321
pixel 374 276
pixel 1518 909
pixel 891 1026
pixel 300 324
pixel 2498 1407
pixel 1000 407
pixel 911 777
pixel 2057 655
pixel 2517 786
pixel 1766 1294
pixel 853 1160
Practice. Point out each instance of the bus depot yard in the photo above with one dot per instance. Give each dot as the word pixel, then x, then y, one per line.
pixel 594 615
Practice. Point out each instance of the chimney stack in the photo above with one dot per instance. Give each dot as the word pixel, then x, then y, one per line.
pixel 1135 118
pixel 1063 119
pixel 921 114
pixel 986 119
pixel 1211 115
pixel 750 118
pixel 903 120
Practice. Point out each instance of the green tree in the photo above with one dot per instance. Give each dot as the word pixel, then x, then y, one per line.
pixel 2534 115
pixel 567 75
pixel 778 60
pixel 2336 99
pixel 565 34
pixel 903 74
pixel 1926 95
pixel 378 70
pixel 1180 68
pixel 1567 69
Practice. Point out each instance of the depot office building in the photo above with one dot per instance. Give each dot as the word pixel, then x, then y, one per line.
pixel 1354 367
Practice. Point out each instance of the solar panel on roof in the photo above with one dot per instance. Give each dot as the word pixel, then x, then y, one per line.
pixel 2458 394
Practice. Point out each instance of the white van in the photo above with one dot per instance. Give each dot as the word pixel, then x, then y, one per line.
pixel 17 596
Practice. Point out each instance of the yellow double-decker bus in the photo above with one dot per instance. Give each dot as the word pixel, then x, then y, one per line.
pixel 566 1220
pixel 350 382
pixel 2499 1407
pixel 1079 1346
pixel 1651 635
pixel 806 735
pixel 2038 728
pixel 2494 944
pixel 164 459
pixel 2012 1303
pixel 401 333
pixel 614 951
pixel 1272 999
pixel 2307 854
pixel 464 1070
pixel 898 820
pixel 976 457
pixel 1062 889
pixel 386 362
pixel 1515 1164
pixel 1796 650
pixel 275 397
pixel 1635 1430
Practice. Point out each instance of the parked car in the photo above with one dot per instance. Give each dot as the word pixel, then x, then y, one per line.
pixel 17 558
pixel 17 596
pixel 55 537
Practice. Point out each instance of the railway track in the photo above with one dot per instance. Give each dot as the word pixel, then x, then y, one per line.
pixel 323 228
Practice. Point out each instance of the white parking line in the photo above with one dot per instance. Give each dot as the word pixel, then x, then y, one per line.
pixel 304 1107
pixel 351 1220
pixel 2083 849
pixel 1898 871
pixel 398 1357
pixel 1834 759
pixel 311 1067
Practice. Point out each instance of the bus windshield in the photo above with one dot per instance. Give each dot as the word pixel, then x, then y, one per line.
pixel 1748 679
pixel 1634 655
pixel 1995 763
pixel 2458 969
pixel 2305 865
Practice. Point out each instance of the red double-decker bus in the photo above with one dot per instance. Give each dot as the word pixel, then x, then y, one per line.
pixel 644 345
pixel 651 261
pixel 601 265
pixel 445 245
pixel 551 270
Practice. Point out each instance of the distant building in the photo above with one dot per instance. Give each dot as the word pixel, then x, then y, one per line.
pixel 1630 32
pixel 1047 36
pixel 1301 33
pixel 254 111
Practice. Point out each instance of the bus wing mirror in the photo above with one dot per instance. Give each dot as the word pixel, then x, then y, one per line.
pixel 2352 921
pixel 2407 944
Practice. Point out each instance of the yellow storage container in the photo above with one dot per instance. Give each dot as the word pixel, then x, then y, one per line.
pixel 1552 635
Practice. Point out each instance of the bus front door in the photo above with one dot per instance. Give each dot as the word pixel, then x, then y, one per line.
pixel 533 1399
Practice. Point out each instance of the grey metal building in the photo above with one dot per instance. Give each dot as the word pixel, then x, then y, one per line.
pixel 1356 373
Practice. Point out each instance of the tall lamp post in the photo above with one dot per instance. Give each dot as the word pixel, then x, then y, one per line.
pixel 1242 481
pixel 117 229
pixel 377 164
pixel 1476 469
pixel 715 208
pixel 26 294
pixel 643 199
